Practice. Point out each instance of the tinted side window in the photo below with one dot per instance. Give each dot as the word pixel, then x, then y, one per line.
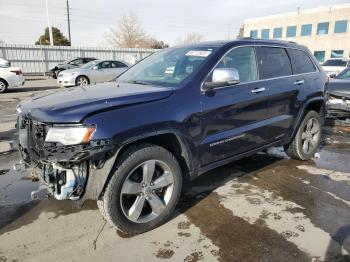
pixel 274 62
pixel 244 61
pixel 301 62
pixel 117 64
pixel 105 65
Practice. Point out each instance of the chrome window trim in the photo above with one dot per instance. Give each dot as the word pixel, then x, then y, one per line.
pixel 259 80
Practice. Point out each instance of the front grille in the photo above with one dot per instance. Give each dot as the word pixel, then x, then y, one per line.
pixel 31 139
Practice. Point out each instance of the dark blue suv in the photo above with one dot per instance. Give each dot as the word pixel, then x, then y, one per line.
pixel 131 144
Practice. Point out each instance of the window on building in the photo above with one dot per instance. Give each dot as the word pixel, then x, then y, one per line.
pixel 265 33
pixel 277 32
pixel 337 54
pixel 306 30
pixel 291 31
pixel 341 26
pixel 320 55
pixel 254 33
pixel 301 62
pixel 274 62
pixel 322 28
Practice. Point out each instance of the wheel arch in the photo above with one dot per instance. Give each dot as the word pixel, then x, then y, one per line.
pixel 316 104
pixel 6 83
pixel 172 141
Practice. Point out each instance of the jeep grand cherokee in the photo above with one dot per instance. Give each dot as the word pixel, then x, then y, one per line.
pixel 132 144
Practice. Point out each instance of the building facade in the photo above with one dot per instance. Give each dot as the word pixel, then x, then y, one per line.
pixel 324 30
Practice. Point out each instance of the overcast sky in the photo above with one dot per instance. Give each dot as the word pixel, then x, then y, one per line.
pixel 22 21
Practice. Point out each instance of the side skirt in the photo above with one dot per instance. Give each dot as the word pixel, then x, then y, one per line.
pixel 225 161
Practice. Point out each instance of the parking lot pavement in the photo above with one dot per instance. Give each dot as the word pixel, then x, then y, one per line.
pixel 262 208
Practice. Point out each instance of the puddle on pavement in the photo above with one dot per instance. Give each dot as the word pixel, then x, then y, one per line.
pixel 235 237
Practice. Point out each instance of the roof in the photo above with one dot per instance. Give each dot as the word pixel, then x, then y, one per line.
pixel 243 40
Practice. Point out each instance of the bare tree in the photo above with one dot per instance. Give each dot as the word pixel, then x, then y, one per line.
pixel 190 39
pixel 2 42
pixel 128 33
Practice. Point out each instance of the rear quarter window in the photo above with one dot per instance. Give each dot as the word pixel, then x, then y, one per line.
pixel 274 62
pixel 301 62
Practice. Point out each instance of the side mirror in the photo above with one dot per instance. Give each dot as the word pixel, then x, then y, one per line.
pixel 332 75
pixel 222 77
pixel 95 68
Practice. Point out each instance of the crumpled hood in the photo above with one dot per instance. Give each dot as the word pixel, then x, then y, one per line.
pixel 74 104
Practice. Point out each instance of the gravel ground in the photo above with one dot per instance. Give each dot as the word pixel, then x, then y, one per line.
pixel 262 208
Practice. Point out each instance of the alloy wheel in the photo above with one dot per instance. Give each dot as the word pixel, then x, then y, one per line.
pixel 2 86
pixel 147 191
pixel 82 81
pixel 310 136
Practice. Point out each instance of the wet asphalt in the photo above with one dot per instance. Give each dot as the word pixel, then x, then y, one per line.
pixel 263 208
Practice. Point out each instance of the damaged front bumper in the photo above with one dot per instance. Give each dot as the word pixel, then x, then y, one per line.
pixel 65 172
pixel 338 105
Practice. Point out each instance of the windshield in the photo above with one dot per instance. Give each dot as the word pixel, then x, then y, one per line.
pixel 90 64
pixel 335 63
pixel 168 68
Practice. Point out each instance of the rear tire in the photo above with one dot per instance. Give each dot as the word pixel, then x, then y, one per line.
pixel 144 189
pixel 3 86
pixel 307 138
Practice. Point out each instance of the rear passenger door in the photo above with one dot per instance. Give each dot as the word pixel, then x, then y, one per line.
pixel 117 68
pixel 284 88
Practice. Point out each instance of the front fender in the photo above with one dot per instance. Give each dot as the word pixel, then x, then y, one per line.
pixel 99 177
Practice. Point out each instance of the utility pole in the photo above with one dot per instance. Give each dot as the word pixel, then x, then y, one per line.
pixel 68 17
pixel 48 24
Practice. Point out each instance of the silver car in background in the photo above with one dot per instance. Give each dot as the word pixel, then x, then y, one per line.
pixel 96 71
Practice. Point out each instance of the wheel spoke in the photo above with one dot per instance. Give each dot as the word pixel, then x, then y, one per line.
pixel 314 129
pixel 156 204
pixel 313 143
pixel 306 146
pixel 303 135
pixel 309 125
pixel 165 180
pixel 131 188
pixel 136 209
pixel 148 171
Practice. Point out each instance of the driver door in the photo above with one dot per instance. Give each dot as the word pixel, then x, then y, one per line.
pixel 233 117
pixel 102 72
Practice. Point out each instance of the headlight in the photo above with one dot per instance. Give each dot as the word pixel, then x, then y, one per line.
pixel 70 135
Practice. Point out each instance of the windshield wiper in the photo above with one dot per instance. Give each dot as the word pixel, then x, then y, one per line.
pixel 138 82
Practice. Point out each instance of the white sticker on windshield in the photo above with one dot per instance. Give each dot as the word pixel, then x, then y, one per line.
pixel 200 53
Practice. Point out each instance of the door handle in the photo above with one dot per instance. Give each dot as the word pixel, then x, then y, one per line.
pixel 299 82
pixel 258 90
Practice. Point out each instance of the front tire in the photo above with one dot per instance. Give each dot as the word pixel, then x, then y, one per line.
pixel 82 81
pixel 3 86
pixel 307 139
pixel 143 191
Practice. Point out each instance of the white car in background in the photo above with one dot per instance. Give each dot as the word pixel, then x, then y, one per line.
pixel 10 77
pixel 96 71
pixel 4 63
pixel 334 66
